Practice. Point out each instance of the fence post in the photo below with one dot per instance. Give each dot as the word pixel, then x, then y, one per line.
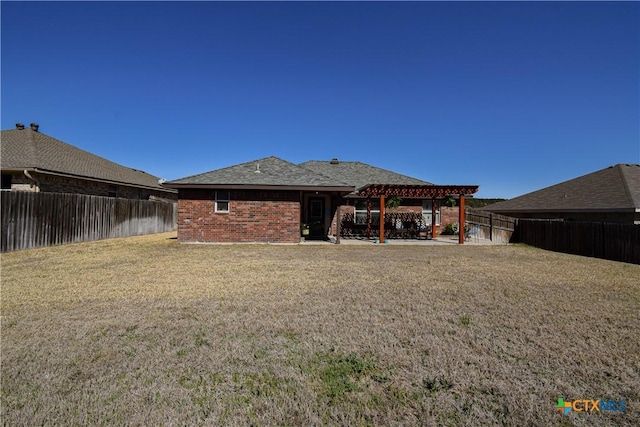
pixel 491 226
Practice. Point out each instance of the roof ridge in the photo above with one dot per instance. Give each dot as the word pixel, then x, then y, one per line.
pixel 625 183
pixel 32 147
pixel 233 166
pixel 397 173
pixel 74 147
pixel 275 171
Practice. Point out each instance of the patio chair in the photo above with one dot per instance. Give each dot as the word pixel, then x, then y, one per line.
pixel 474 231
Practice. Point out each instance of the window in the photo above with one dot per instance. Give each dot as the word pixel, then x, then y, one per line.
pixel 316 209
pixel 113 191
pixel 222 201
pixel 6 181
pixel 361 211
pixel 426 212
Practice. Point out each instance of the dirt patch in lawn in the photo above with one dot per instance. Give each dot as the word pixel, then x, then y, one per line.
pixel 146 331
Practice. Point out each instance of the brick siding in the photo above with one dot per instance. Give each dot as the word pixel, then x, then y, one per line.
pixel 261 216
pixel 254 216
pixel 448 215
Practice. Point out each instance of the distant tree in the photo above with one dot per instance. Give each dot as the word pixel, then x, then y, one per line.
pixel 392 202
pixel 449 201
pixel 475 203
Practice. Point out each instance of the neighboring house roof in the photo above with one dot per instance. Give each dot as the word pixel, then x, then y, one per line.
pixel 616 188
pixel 359 174
pixel 261 173
pixel 34 151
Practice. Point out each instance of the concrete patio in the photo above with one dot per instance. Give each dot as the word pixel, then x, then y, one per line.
pixel 440 240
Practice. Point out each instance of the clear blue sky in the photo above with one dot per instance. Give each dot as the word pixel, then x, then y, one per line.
pixel 512 96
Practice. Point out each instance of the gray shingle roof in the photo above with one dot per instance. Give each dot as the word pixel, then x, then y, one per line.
pixel 613 188
pixel 29 149
pixel 359 174
pixel 270 171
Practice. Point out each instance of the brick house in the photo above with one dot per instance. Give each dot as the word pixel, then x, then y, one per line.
pixel 270 199
pixel 33 161
pixel 611 194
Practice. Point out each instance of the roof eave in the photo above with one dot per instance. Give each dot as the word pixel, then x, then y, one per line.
pixel 88 178
pixel 589 210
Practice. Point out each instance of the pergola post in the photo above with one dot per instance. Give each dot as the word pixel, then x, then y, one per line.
pixel 434 229
pixel 381 239
pixel 368 217
pixel 338 223
pixel 461 220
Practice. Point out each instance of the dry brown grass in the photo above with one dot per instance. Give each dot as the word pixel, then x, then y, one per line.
pixel 143 331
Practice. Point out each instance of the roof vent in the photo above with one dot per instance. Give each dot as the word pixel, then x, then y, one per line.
pixel 334 161
pixel 19 126
pixel 257 168
pixel 34 127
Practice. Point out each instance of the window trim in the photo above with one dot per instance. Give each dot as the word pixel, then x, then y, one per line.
pixel 219 199
pixel 428 210
pixel 374 211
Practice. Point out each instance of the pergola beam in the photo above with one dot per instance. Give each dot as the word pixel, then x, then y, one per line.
pixel 416 191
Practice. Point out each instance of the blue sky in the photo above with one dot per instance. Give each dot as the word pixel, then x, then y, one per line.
pixel 512 96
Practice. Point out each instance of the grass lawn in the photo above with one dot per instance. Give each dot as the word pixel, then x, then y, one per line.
pixel 144 331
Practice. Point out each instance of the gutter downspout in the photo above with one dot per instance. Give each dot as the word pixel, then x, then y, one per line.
pixel 26 173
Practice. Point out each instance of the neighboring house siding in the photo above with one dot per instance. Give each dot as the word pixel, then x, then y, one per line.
pixel 60 184
pixel 253 216
pixel 19 182
pixel 613 217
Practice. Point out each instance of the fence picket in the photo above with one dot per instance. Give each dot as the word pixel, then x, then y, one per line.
pixel 613 241
pixel 31 220
pixel 498 228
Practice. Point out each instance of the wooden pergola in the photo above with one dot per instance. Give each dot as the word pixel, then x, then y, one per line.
pixel 433 192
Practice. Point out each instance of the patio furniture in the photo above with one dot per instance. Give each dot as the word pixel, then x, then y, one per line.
pixel 474 231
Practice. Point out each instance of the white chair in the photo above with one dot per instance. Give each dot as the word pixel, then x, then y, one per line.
pixel 474 231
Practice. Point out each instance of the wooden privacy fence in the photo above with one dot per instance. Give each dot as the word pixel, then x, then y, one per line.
pixel 617 242
pixel 32 220
pixel 494 227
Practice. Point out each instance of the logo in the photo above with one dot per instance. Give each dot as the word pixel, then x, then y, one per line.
pixel 562 406
pixel 589 405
